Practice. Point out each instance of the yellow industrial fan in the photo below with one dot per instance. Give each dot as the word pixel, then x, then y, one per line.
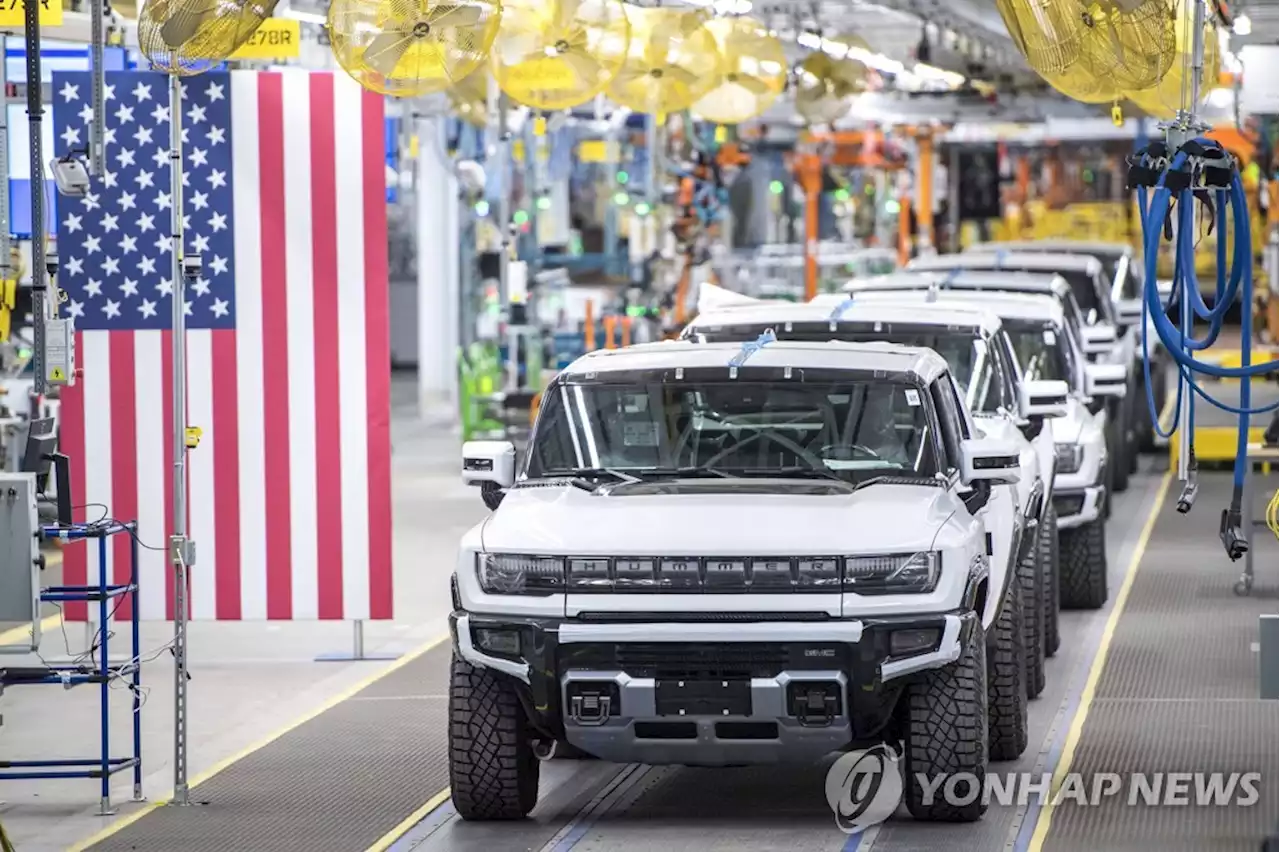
pixel 469 97
pixel 411 47
pixel 672 61
pixel 1129 42
pixel 1080 84
pixel 824 86
pixel 753 73
pixel 187 37
pixel 1046 32
pixel 1165 98
pixel 557 54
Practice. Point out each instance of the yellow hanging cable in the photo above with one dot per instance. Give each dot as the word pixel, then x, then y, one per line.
pixel 1273 514
pixel 5 844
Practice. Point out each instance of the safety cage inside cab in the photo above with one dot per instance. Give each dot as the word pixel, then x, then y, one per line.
pixel 981 364
pixel 788 420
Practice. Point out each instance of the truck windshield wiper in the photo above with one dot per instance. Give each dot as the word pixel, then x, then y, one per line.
pixel 792 472
pixel 894 478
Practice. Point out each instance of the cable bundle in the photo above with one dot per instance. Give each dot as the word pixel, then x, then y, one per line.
pixel 1199 170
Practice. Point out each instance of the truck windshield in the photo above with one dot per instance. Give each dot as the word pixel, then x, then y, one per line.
pixel 1041 352
pixel 850 429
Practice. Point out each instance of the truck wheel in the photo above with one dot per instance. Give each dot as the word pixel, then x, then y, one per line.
pixel 1118 450
pixel 946 735
pixel 1084 566
pixel 1048 547
pixel 1030 582
pixel 493 772
pixel 1006 682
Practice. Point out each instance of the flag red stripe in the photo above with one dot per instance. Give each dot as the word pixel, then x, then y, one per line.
pixel 377 355
pixel 275 346
pixel 324 244
pixel 166 393
pixel 226 475
pixel 75 557
pixel 124 458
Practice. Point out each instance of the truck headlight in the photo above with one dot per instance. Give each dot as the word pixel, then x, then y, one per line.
pixel 893 574
pixel 508 574
pixel 1070 457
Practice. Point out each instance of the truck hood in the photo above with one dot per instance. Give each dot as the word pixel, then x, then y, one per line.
pixel 1066 430
pixel 702 518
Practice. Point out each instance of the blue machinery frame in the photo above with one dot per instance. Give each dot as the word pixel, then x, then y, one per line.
pixel 102 592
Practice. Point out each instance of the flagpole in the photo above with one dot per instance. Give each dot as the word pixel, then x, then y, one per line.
pixel 181 550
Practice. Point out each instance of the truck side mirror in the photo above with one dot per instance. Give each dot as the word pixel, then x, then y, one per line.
pixel 1105 380
pixel 1043 399
pixel 990 460
pixel 491 465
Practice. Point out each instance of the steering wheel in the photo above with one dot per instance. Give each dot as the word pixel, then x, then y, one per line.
pixel 814 461
pixel 849 452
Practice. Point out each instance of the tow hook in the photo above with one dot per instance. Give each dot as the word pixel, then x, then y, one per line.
pixel 815 705
pixel 545 749
pixel 590 707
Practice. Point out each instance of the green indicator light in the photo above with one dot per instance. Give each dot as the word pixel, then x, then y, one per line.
pixel 621 198
pixel 623 177
pixel 775 187
pixel 520 217
pixel 642 208
pixel 842 195
pixel 892 206
pixel 544 203
pixel 482 208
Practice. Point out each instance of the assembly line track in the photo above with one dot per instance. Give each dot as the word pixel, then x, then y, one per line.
pixel 1177 691
pixel 341 780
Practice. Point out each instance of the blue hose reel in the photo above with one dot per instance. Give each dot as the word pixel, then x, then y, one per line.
pixel 1169 181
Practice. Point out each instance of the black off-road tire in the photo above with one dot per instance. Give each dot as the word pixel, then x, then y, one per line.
pixel 1084 566
pixel 1006 681
pixel 1030 585
pixel 946 734
pixel 1048 548
pixel 493 772
pixel 1118 449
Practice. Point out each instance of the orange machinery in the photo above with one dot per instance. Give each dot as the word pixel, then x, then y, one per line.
pixel 859 149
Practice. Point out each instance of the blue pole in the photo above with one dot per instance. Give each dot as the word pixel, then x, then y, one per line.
pixel 104 694
pixel 137 668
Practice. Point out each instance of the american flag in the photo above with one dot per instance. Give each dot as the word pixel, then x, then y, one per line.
pixel 287 349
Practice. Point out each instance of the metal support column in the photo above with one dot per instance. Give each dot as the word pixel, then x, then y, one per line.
pixel 6 269
pixel 35 112
pixel 97 76
pixel 180 548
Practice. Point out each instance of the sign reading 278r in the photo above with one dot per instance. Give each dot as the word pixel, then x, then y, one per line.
pixel 12 13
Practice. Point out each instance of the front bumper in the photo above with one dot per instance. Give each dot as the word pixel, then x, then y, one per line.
pixel 1078 506
pixel 710 692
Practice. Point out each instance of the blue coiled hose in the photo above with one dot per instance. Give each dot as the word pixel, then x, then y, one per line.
pixel 1177 337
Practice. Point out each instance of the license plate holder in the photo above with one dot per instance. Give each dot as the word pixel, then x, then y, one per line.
pixel 703 697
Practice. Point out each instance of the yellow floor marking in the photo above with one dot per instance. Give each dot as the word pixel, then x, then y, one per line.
pixel 199 779
pixel 387 840
pixel 1041 832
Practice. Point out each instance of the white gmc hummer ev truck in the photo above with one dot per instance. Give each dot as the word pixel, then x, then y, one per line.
pixel 696 563
pixel 981 360
pixel 1047 347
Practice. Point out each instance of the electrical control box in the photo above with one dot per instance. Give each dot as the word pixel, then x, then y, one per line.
pixel 60 352
pixel 19 556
